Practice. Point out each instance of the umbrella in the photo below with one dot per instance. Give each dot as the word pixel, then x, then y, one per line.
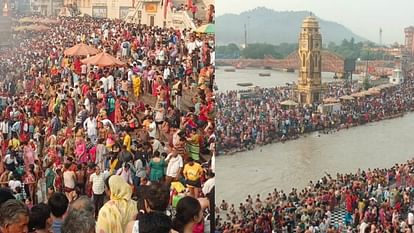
pixel 330 100
pixel 289 103
pixel 26 20
pixel 39 28
pixel 206 28
pixel 81 49
pixel 346 97
pixel 359 94
pixel 103 59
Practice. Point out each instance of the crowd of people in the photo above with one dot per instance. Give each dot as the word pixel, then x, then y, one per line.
pixel 243 123
pixel 127 142
pixel 378 200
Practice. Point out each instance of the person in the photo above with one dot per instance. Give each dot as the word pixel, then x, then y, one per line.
pixel 156 165
pixel 14 217
pixel 97 180
pixel 151 218
pixel 174 167
pixel 78 221
pixel 82 203
pixel 58 204
pixel 39 219
pixel 5 195
pixel 192 172
pixel 189 213
pixel 69 181
pixel 119 210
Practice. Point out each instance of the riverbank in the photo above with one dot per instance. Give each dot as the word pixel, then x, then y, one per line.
pixel 304 135
pixel 295 163
pixel 333 203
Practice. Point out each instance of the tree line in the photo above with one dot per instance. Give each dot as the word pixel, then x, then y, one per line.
pixel 347 49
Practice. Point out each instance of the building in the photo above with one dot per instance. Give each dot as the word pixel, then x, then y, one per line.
pixel 5 25
pixel 103 8
pixel 409 41
pixel 309 88
pixel 46 7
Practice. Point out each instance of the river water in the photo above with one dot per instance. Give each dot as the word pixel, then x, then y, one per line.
pixel 228 80
pixel 295 163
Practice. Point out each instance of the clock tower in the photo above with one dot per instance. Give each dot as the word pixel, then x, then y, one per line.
pixel 309 87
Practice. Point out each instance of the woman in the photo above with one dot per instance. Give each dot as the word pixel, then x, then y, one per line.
pixel 156 166
pixel 119 210
pixel 189 214
pixel 80 148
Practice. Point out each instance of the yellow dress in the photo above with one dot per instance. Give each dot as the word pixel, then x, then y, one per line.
pixel 136 82
pixel 114 216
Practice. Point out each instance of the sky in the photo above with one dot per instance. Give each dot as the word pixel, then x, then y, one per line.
pixel 363 17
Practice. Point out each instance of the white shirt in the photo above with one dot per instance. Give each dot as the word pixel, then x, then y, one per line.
pixel 13 184
pixel 152 130
pixel 98 183
pixel 104 83
pixel 69 179
pixel 410 218
pixel 174 165
pixel 111 82
pixel 208 186
pixel 90 126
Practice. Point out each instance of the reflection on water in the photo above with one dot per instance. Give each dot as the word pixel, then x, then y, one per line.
pixel 295 163
pixel 228 80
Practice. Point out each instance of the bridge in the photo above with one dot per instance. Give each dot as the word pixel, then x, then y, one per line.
pixel 331 62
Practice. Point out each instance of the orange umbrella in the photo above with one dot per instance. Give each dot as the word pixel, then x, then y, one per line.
pixel 81 49
pixel 103 59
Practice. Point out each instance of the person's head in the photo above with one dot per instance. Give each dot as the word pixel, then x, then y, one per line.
pixel 120 190
pixel 14 217
pixel 5 195
pixel 39 218
pixel 79 221
pixel 82 203
pixel 97 170
pixel 156 197
pixel 58 204
pixel 188 212
pixel 154 222
pixel 190 161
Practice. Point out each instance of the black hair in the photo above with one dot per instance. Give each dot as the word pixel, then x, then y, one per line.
pixel 38 216
pixel 58 203
pixel 154 222
pixel 157 196
pixel 6 194
pixel 187 209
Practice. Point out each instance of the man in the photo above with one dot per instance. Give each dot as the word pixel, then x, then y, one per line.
pixel 82 203
pixel 14 217
pixel 175 165
pixel 192 173
pixel 90 125
pixel 156 145
pixel 177 92
pixel 97 180
pixel 69 181
pixel 126 173
pixel 58 204
pixel 79 221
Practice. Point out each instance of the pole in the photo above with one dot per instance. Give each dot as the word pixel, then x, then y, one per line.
pixel 245 36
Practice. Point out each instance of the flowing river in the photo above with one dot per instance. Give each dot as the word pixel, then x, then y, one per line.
pixel 294 163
